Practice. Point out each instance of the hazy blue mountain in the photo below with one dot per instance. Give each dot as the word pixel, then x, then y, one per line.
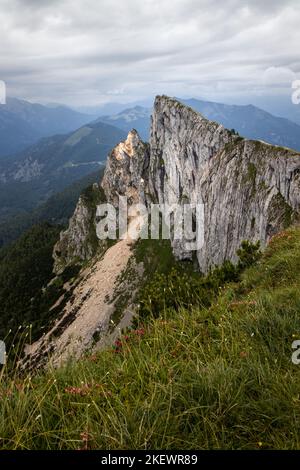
pixel 31 177
pixel 137 117
pixel 23 123
pixel 250 122
pixel 281 106
pixel 102 109
pixel 112 108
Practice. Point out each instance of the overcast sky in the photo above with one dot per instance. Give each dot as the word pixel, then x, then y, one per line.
pixel 95 51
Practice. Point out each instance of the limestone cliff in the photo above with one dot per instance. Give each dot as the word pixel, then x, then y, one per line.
pixel 250 190
pixel 126 170
pixel 79 242
pixel 125 175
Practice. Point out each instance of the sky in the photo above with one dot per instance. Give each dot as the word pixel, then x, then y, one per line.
pixel 88 52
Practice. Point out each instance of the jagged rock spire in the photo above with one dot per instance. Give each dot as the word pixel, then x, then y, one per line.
pixel 125 170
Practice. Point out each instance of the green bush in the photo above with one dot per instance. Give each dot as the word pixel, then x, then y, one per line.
pixel 179 289
pixel 249 254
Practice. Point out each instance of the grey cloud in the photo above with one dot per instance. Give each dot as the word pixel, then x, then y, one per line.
pixel 85 50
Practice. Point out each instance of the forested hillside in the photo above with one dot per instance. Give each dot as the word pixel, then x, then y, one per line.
pixel 56 210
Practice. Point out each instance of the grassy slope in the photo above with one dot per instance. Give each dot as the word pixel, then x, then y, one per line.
pixel 220 377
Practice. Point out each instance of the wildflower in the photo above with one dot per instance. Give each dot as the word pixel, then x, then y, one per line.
pixel 139 332
pixel 93 358
pixel 82 391
pixel 85 437
pixel 118 345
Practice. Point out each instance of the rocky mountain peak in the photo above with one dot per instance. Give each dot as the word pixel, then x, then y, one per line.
pixel 250 190
pixel 129 147
pixel 125 170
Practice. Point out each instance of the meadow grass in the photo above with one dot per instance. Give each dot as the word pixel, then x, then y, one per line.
pixel 219 377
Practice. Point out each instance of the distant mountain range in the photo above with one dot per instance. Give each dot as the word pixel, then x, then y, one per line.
pixel 282 106
pixel 32 176
pixel 137 117
pixel 110 108
pixel 23 123
pixel 249 121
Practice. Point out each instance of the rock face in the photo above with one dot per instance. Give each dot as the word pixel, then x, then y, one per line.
pixel 250 190
pixel 182 143
pixel 79 241
pixel 126 170
pixel 125 175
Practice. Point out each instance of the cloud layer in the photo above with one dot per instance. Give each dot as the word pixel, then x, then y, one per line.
pixel 93 51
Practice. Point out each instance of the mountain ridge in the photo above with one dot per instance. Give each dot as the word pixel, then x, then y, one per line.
pixel 23 123
pixel 136 117
pixel 251 122
pixel 251 191
pixel 31 177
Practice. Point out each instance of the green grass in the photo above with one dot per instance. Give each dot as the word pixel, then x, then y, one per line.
pixel 219 377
